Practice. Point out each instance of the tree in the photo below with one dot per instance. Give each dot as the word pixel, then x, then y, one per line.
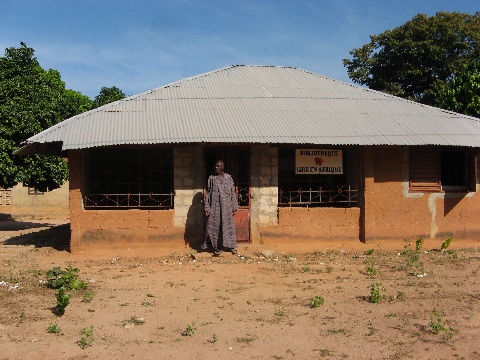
pixel 462 93
pixel 31 100
pixel 415 60
pixel 75 103
pixel 108 95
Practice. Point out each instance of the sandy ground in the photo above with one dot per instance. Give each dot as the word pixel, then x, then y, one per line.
pixel 172 303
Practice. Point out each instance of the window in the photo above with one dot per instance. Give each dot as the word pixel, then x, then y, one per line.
pixel 33 191
pixel 434 169
pixel 315 190
pixel 5 197
pixel 453 168
pixel 129 178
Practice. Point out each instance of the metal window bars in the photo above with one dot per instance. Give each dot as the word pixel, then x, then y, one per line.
pixel 149 200
pixel 343 195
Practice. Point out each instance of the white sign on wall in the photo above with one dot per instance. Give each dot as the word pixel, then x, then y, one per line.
pixel 318 161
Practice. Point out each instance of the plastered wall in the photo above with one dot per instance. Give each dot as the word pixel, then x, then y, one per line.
pixel 389 211
pixel 18 203
pixel 392 212
pixel 322 224
pixel 115 228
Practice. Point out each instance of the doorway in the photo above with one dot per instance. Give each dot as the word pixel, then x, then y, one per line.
pixel 237 164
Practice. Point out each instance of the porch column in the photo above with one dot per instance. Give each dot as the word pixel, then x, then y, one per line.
pixel 264 189
pixel 188 184
pixel 367 217
pixel 75 168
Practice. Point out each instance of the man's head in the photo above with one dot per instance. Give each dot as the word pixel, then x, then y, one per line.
pixel 219 166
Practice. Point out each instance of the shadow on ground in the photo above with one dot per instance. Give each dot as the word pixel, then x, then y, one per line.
pixel 54 236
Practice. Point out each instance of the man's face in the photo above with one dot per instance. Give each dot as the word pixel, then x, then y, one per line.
pixel 218 167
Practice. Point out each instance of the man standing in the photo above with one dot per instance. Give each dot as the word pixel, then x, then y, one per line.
pixel 220 206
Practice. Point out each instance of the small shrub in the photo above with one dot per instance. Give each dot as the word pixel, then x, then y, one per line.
pixel 63 299
pixel 411 257
pixel 68 278
pixel 316 301
pixel 53 328
pixel 418 244
pixel 370 267
pixel 189 330
pixel 376 292
pixel 446 244
pixel 88 296
pixel 87 338
pixel 435 323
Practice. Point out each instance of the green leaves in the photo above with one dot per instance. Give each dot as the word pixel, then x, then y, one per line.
pixel 461 93
pixel 108 95
pixel 31 100
pixel 411 60
pixel 43 172
pixel 66 279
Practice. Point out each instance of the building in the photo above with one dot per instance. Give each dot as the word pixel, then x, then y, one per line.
pixel 312 158
pixel 22 202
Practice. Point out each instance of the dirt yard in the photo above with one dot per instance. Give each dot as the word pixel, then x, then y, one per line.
pixel 270 301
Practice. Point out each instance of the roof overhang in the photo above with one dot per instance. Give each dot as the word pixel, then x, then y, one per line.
pixel 53 148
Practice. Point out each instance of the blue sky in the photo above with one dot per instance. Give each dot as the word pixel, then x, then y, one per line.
pixel 138 45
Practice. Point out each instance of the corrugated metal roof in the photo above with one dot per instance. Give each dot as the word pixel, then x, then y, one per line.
pixel 262 104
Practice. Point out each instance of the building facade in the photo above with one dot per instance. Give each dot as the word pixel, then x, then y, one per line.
pixel 21 202
pixel 311 157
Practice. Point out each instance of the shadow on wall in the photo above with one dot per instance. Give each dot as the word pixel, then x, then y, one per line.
pixel 54 236
pixel 451 200
pixel 195 222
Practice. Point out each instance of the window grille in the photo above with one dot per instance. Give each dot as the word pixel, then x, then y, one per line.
pixel 129 178
pixel 341 195
pixel 5 197
pixel 316 190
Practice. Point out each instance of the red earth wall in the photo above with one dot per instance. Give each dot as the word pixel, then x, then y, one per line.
pixel 389 212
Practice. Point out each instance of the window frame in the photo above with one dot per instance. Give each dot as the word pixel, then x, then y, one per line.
pixel 427 171
pixel 129 177
pixel 317 190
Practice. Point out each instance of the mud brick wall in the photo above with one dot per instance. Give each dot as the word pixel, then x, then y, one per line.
pixel 392 212
pixel 115 228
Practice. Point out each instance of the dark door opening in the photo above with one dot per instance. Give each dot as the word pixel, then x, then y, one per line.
pixel 237 164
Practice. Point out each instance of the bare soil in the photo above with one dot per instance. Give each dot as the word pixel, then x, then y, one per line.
pixel 170 302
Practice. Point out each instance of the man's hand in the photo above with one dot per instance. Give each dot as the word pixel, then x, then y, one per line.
pixel 207 213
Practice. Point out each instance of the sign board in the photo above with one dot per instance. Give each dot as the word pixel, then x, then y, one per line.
pixel 318 161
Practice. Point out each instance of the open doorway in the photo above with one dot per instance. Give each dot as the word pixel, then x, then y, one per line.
pixel 237 164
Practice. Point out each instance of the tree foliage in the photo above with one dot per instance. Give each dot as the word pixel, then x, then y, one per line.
pixel 462 93
pixel 31 100
pixel 417 59
pixel 108 95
